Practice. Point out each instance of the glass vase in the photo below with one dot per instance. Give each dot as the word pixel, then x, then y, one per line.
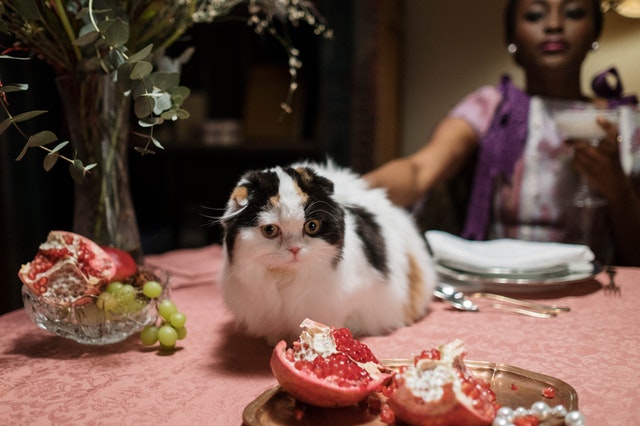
pixel 97 114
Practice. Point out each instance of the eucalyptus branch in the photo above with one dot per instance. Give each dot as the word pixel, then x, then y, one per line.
pixel 38 140
pixel 64 20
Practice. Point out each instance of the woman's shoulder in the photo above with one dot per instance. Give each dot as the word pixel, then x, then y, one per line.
pixel 478 108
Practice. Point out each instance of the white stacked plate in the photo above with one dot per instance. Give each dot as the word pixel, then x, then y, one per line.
pixel 499 280
pixel 509 265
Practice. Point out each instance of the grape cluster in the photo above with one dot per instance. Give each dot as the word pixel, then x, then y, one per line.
pixel 124 298
pixel 171 326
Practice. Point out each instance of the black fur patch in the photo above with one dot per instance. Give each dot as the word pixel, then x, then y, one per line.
pixel 370 234
pixel 261 186
pixel 320 205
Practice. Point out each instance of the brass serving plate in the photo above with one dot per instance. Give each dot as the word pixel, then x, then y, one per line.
pixel 514 387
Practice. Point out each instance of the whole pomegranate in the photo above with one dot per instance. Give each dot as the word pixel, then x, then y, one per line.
pixel 66 267
pixel 327 367
pixel 439 389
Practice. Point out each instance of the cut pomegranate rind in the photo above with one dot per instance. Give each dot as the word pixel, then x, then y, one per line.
pixel 442 391
pixel 124 264
pixel 67 268
pixel 319 371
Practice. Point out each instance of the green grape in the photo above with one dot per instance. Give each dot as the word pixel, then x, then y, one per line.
pixel 177 319
pixel 126 294
pixel 182 332
pixel 132 306
pixel 152 289
pixel 114 287
pixel 167 336
pixel 107 301
pixel 149 335
pixel 166 308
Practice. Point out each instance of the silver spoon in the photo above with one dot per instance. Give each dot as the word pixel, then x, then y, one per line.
pixel 455 298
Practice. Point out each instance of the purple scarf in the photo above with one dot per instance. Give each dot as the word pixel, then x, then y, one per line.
pixel 499 150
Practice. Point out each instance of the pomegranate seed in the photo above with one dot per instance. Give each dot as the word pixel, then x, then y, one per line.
pixel 388 390
pixel 549 392
pixel 374 404
pixel 386 415
pixel 529 420
pixel 289 355
pixel 298 414
pixel 347 344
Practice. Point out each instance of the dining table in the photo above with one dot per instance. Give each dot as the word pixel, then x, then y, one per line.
pixel 217 371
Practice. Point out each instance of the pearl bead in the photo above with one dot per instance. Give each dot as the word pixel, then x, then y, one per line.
pixel 559 410
pixel 574 418
pixel 505 412
pixel 521 411
pixel 541 410
pixel 501 421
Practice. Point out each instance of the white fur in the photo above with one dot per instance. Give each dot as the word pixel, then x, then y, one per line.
pixel 270 290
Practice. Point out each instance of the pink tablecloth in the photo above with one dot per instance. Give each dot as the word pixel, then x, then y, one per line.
pixel 46 380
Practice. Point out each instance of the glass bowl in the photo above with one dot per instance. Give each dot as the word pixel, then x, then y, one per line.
pixel 84 321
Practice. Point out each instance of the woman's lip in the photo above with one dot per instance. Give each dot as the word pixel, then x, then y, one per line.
pixel 554 46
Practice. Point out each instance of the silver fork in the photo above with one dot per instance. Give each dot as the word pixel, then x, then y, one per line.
pixel 612 288
pixel 498 301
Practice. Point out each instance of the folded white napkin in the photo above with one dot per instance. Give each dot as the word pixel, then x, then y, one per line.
pixel 505 253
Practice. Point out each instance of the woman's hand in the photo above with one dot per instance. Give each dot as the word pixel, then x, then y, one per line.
pixel 600 165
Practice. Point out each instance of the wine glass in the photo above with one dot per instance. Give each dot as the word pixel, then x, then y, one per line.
pixel 583 124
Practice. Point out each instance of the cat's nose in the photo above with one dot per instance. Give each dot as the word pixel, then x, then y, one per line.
pixel 294 249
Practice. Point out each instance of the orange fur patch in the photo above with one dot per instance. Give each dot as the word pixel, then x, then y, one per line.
pixel 239 195
pixel 415 307
pixel 307 178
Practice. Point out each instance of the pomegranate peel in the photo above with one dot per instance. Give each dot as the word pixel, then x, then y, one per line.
pixel 327 367
pixel 125 265
pixel 67 267
pixel 439 389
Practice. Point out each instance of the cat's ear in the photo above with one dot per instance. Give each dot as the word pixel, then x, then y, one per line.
pixel 239 197
pixel 308 177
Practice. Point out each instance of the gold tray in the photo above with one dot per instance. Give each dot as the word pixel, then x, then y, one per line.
pixel 514 387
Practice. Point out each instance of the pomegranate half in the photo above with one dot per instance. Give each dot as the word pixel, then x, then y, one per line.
pixel 327 367
pixel 67 267
pixel 439 389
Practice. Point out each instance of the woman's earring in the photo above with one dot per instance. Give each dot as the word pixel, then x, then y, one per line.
pixel 595 45
pixel 512 48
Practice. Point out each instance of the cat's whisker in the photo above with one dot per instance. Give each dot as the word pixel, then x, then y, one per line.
pixel 313 210
pixel 225 216
pixel 212 218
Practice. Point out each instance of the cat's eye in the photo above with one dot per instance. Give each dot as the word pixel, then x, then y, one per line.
pixel 270 231
pixel 312 226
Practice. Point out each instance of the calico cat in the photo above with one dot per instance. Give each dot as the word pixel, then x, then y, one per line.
pixel 312 240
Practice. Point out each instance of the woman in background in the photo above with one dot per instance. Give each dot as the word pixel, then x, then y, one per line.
pixel 524 170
